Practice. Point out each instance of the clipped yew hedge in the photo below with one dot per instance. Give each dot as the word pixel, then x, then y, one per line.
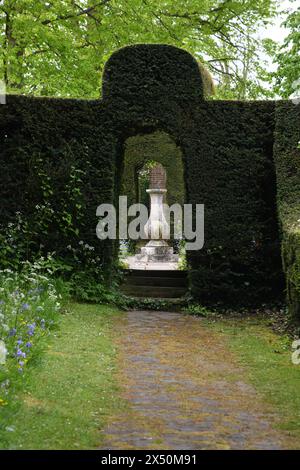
pixel 287 161
pixel 227 152
pixel 231 170
pixel 42 141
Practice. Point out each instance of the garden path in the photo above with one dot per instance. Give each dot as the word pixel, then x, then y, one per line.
pixel 184 389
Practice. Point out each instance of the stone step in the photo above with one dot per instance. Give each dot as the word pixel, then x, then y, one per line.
pixel 153 291
pixel 155 273
pixel 174 301
pixel 159 281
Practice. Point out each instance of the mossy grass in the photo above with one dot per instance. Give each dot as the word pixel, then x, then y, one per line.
pixel 267 358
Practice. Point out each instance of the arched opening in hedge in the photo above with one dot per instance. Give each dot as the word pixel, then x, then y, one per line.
pixel 141 151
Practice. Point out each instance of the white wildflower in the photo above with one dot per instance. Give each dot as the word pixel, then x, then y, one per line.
pixel 3 352
pixel 10 429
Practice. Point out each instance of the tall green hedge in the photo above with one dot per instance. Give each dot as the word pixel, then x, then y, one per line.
pixel 287 160
pixel 159 147
pixel 231 170
pixel 226 151
pixel 145 71
pixel 42 141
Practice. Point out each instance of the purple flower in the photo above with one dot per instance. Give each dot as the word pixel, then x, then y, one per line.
pixel 31 329
pixel 21 363
pixel 20 353
pixel 25 306
pixel 19 342
pixel 28 344
pixel 12 332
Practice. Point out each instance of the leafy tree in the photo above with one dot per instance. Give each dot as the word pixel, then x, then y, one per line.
pixel 59 47
pixel 287 77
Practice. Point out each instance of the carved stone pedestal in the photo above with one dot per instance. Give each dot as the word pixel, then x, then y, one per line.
pixel 157 228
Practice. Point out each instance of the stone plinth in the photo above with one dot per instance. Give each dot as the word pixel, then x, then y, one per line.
pixel 157 250
pixel 157 229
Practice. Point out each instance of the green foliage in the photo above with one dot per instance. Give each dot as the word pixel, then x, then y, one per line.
pixel 87 279
pixel 30 303
pixel 199 310
pixel 182 261
pixel 47 159
pixel 287 75
pixel 60 213
pixel 14 243
pixel 54 210
pixel 59 48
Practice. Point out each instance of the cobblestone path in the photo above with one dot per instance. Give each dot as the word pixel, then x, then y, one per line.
pixel 184 390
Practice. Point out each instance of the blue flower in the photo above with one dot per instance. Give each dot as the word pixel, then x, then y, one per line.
pixel 19 342
pixel 21 363
pixel 25 306
pixel 20 353
pixel 28 344
pixel 31 329
pixel 12 332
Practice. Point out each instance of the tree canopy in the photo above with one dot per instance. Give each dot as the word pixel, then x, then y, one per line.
pixel 287 77
pixel 59 47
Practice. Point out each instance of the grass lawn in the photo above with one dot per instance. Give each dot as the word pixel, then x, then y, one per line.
pixel 71 389
pixel 266 357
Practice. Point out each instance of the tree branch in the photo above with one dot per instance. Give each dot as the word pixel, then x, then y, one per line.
pixel 85 11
